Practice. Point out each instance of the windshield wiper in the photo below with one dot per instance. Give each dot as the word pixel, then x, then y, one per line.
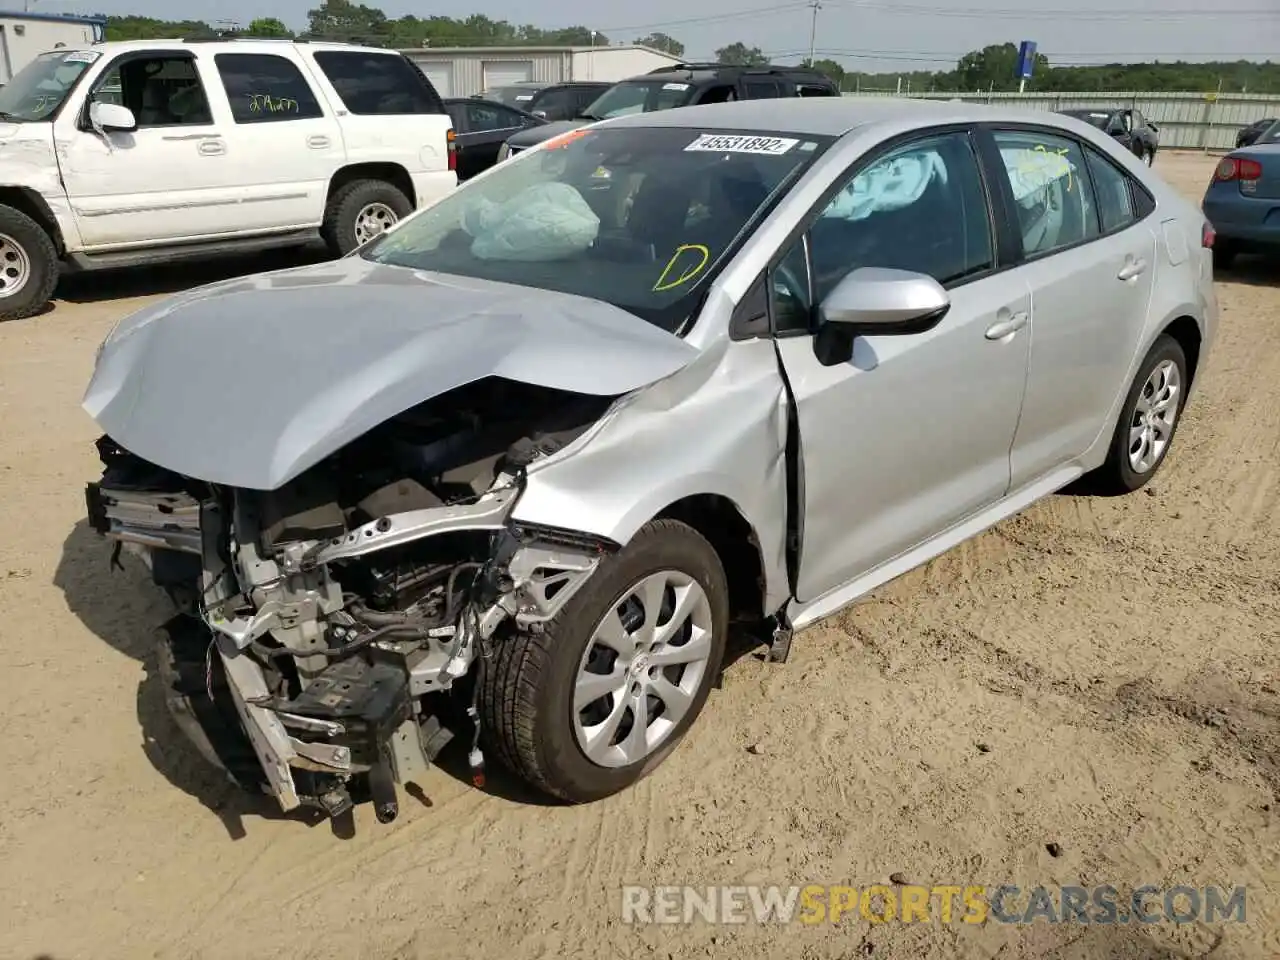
pixel 584 115
pixel 10 118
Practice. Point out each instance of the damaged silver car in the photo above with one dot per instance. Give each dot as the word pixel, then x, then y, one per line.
pixel 509 472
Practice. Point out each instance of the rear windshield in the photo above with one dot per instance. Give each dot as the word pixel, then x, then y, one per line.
pixel 639 96
pixel 378 84
pixel 511 96
pixel 642 218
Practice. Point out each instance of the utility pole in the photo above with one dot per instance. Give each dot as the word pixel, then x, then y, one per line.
pixel 815 6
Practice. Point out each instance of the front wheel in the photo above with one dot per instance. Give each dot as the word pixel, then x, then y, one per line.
pixel 1149 156
pixel 28 265
pixel 1148 419
pixel 360 211
pixel 602 696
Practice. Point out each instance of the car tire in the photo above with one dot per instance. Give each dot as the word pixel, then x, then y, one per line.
pixel 1149 157
pixel 529 684
pixel 29 265
pixel 1148 420
pixel 1224 254
pixel 355 208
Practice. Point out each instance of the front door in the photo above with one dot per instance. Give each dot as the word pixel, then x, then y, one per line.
pixel 166 180
pixel 913 434
pixel 1091 266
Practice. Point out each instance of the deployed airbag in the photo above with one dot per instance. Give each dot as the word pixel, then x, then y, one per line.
pixel 547 221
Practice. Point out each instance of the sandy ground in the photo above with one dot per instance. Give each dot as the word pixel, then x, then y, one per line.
pixel 1117 659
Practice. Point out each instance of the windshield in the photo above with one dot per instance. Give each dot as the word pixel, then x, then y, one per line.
pixel 1096 117
pixel 638 217
pixel 42 85
pixel 638 96
pixel 1271 134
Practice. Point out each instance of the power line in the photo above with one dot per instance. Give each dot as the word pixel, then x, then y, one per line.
pixel 1162 59
pixel 1110 14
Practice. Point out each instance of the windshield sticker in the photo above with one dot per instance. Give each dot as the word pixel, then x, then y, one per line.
pixel 675 86
pixel 690 266
pixel 726 143
pixel 82 56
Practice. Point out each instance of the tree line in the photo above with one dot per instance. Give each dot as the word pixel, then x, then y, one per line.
pixel 991 68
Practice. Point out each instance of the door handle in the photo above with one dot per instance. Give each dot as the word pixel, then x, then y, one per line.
pixel 317 142
pixel 1003 328
pixel 1132 269
pixel 211 148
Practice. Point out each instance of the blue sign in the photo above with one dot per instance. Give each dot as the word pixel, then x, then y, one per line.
pixel 1026 60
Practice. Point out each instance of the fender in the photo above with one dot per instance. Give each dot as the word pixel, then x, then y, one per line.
pixel 655 448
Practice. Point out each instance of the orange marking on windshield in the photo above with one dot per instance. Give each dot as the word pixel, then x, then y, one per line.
pixel 555 143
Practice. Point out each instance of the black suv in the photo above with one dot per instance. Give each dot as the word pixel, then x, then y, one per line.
pixel 549 101
pixel 1135 132
pixel 683 85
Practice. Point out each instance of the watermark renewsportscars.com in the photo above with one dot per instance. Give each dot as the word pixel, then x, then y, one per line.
pixel 907 903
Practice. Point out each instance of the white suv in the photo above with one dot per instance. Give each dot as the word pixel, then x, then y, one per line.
pixel 150 151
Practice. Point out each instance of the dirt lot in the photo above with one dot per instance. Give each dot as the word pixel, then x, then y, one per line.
pixel 1117 661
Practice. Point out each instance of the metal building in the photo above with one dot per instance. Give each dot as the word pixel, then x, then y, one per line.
pixel 25 35
pixel 463 71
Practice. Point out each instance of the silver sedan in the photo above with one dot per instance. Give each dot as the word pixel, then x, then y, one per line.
pixel 512 471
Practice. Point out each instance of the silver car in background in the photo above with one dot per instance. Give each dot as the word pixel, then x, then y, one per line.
pixel 510 472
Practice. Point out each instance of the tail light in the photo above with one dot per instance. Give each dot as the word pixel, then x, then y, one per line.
pixel 1237 168
pixel 452 139
pixel 1207 235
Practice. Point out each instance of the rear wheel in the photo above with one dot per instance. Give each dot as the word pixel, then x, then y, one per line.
pixel 1148 419
pixel 28 265
pixel 360 211
pixel 603 695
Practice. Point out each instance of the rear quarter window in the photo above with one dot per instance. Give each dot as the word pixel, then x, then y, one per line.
pixel 378 84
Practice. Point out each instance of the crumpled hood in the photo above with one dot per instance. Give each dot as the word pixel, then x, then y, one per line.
pixel 540 134
pixel 251 381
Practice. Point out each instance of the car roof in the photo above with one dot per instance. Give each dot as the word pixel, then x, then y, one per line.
pixel 703 72
pixel 827 116
pixel 238 44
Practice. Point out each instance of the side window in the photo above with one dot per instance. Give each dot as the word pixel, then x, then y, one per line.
pixel 162 91
pixel 378 84
pixel 814 90
pixel 719 94
pixel 555 103
pixel 922 207
pixel 1051 191
pixel 264 88
pixel 790 297
pixel 481 118
pixel 1113 193
pixel 761 89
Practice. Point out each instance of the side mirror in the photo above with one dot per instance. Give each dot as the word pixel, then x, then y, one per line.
pixel 876 301
pixel 111 116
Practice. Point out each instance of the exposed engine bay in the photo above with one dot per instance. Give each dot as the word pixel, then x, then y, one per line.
pixel 327 635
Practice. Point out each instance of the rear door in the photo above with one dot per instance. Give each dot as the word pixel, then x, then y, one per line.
pixel 389 113
pixel 283 133
pixel 1090 264
pixel 485 128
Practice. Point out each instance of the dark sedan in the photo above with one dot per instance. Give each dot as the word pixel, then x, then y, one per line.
pixel 1135 132
pixel 480 128
pixel 1254 131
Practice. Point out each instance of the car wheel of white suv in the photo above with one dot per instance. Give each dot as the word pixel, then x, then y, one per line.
pixel 1149 418
pixel 604 693
pixel 28 265
pixel 360 211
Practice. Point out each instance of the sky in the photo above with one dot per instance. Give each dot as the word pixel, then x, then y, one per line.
pixel 872 35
